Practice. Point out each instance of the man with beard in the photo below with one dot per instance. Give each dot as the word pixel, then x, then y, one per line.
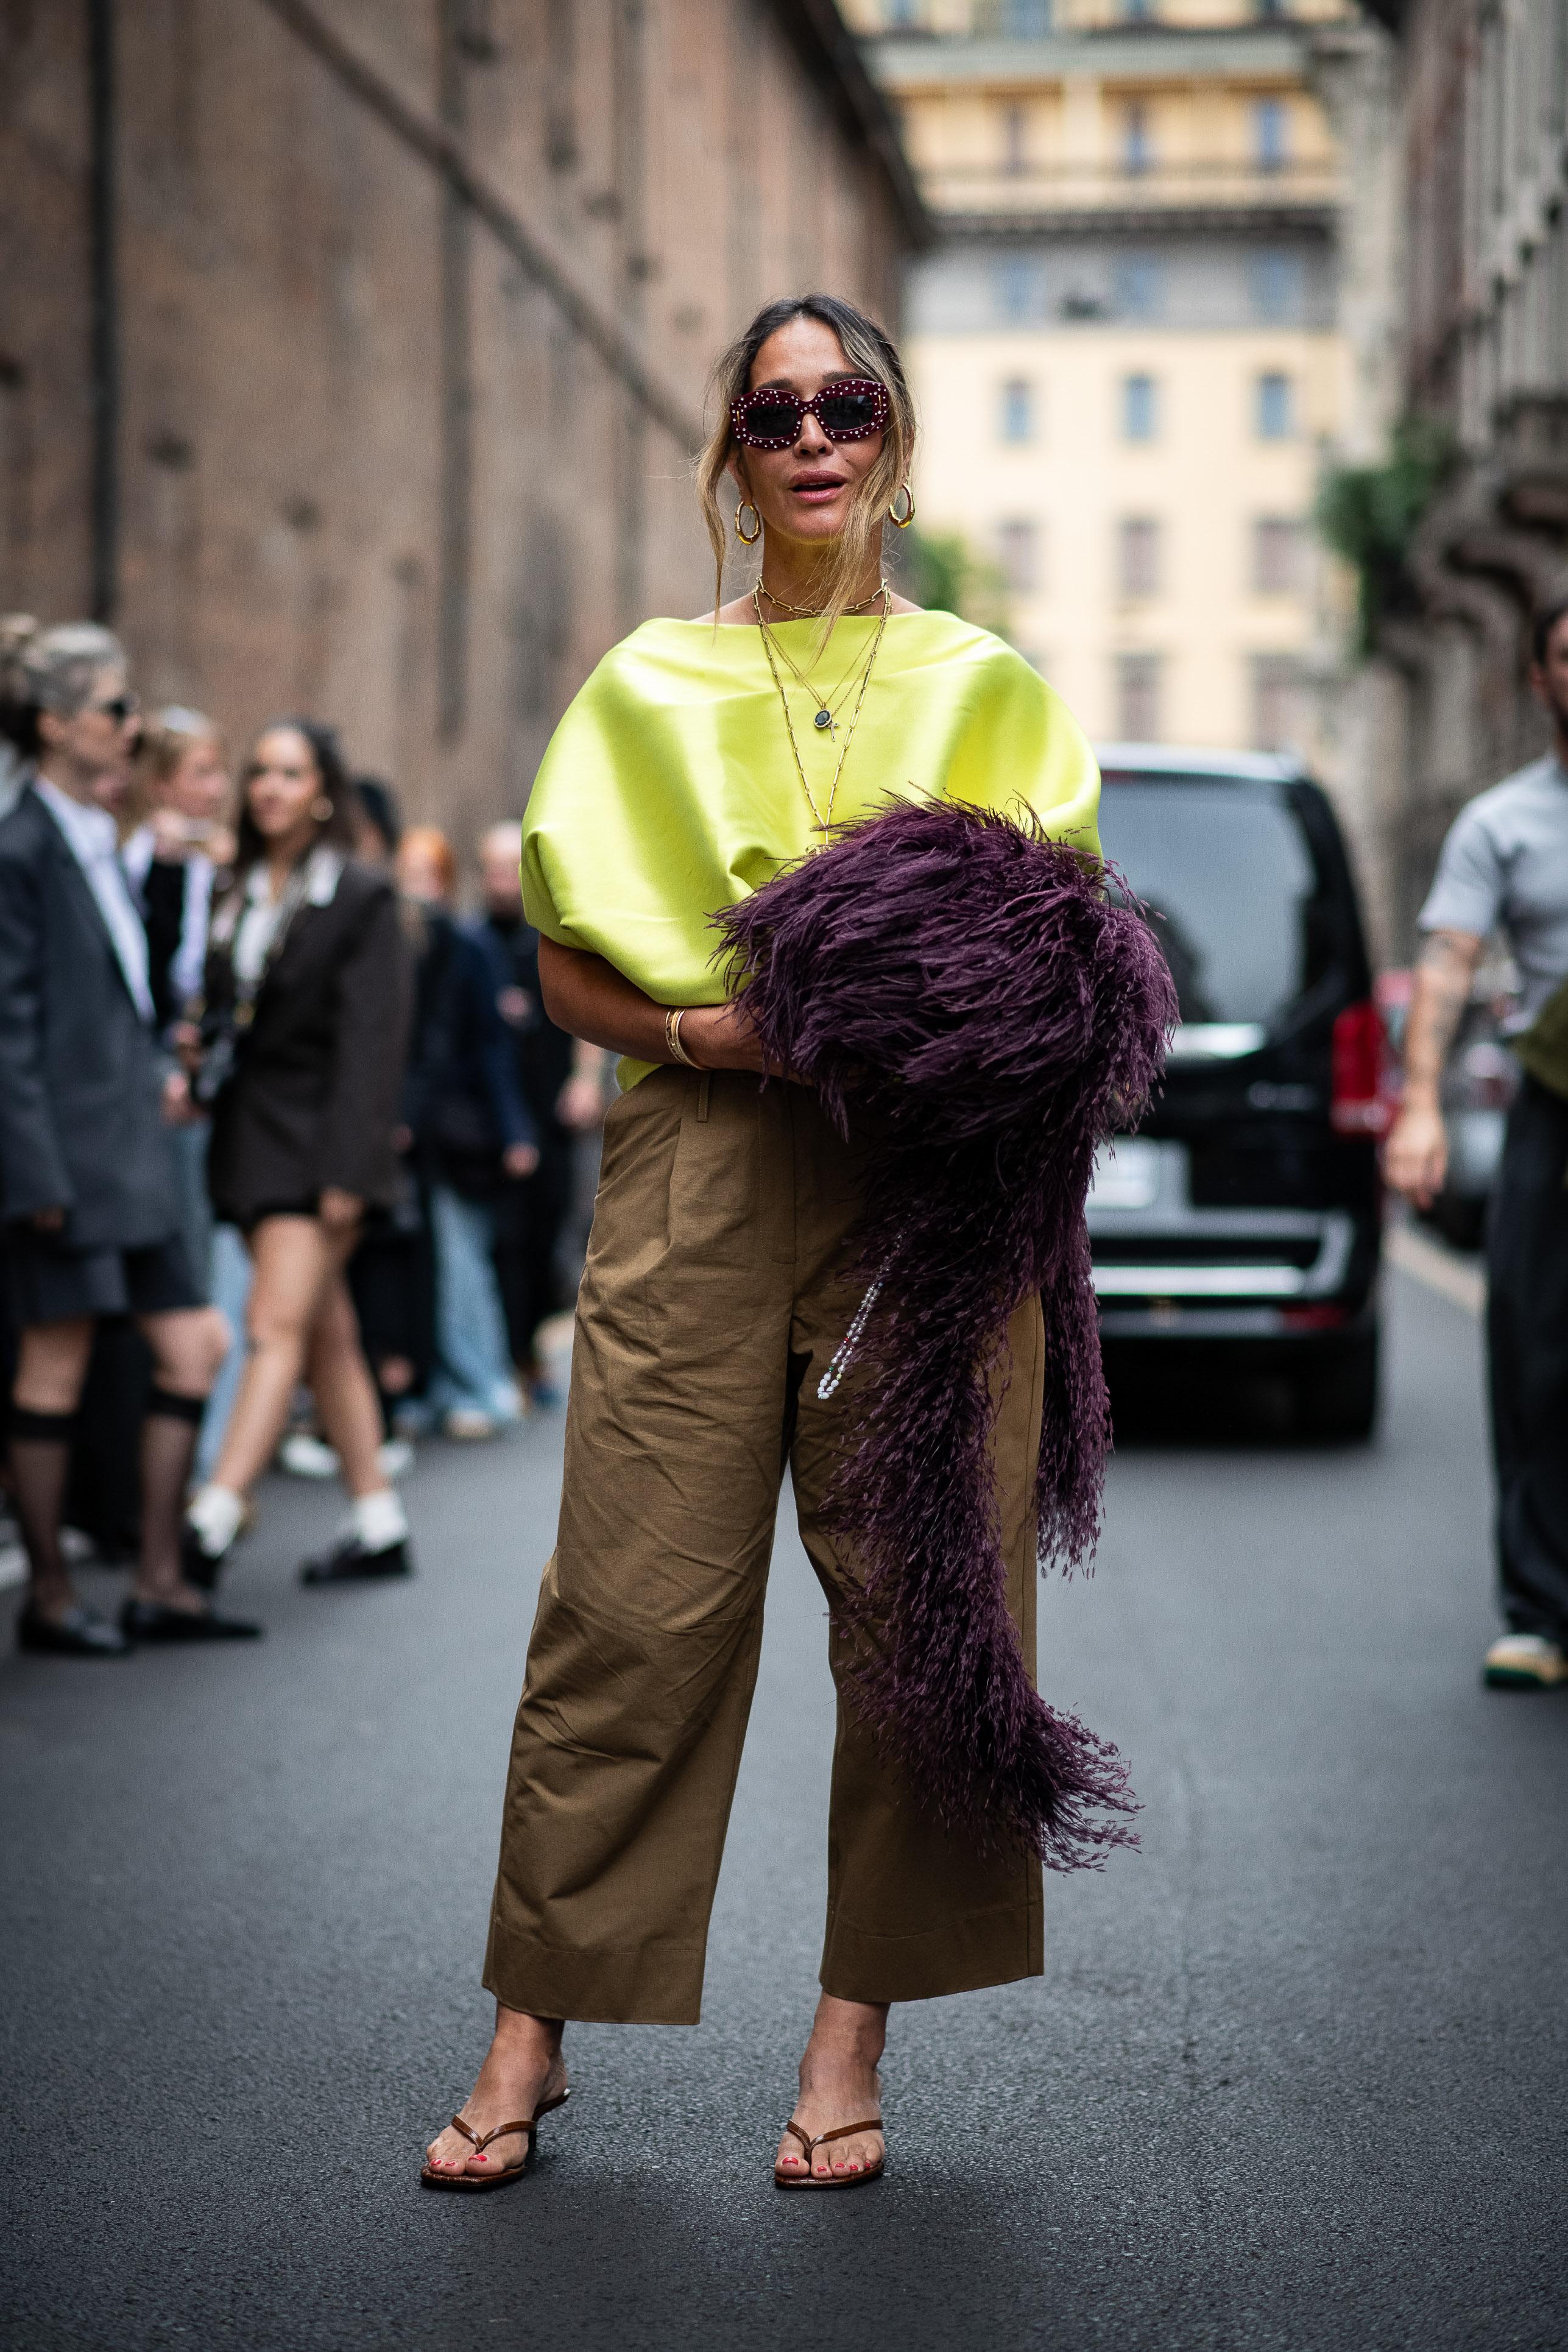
pixel 562 1083
pixel 1504 867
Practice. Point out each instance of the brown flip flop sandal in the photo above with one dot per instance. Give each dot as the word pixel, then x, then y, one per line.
pixel 481 2140
pixel 808 2180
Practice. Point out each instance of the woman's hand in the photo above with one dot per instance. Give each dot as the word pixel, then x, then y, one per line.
pixel 339 1211
pixel 721 1037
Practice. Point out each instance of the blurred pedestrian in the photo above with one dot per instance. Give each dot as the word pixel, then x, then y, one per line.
pixel 1504 866
pixel 701 758
pixel 378 827
pixel 561 1082
pixel 184 838
pixel 472 1141
pixel 304 1025
pixel 90 1198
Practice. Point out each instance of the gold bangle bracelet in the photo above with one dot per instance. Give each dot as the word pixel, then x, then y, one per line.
pixel 672 1037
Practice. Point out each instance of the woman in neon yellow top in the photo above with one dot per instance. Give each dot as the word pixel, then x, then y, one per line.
pixel 700 758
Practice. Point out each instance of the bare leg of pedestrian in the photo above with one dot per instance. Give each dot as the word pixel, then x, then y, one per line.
pixel 301 1325
pixel 344 1392
pixel 293 1260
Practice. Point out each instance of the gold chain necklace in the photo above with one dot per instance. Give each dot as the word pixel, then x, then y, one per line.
pixel 823 824
pixel 827 708
pixel 805 611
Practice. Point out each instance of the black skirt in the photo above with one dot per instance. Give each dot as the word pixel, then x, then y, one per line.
pixel 48 1283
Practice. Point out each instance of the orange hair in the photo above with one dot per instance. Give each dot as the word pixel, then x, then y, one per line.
pixel 434 844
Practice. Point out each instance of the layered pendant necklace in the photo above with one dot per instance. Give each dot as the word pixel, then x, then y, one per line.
pixel 825 717
pixel 824 720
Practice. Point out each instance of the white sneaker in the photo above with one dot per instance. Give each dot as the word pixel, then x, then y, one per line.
pixel 304 1456
pixel 396 1457
pixel 467 1422
pixel 1524 1662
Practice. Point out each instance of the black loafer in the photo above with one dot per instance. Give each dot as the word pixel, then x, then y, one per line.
pixel 347 1562
pixel 78 1634
pixel 199 1567
pixel 151 1621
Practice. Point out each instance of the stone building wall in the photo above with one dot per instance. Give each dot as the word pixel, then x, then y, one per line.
pixel 1481 297
pixel 354 350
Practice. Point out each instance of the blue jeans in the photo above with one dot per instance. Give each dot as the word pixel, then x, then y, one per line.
pixel 228 1276
pixel 473 1371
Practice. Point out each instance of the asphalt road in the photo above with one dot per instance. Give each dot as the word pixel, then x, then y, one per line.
pixel 1296 2076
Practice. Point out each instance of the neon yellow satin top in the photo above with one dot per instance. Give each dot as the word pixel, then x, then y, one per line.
pixel 669 790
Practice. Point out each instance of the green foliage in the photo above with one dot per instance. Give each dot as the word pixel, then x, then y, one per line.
pixel 942 571
pixel 1369 515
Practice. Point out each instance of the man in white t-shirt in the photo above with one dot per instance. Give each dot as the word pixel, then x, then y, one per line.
pixel 1504 866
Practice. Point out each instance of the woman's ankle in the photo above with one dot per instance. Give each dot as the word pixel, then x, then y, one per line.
pixel 519 2034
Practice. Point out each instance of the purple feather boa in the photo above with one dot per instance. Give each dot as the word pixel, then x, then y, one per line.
pixel 967 983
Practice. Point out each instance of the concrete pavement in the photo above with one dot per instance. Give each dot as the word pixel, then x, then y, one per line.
pixel 1296 2076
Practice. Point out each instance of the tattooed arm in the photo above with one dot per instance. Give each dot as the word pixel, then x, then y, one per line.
pixel 1417 1154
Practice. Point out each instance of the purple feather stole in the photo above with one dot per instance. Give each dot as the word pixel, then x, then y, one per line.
pixel 967 983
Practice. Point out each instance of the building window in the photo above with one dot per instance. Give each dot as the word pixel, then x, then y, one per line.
pixel 1140 282
pixel 1016 419
pixel 1138 697
pixel 1138 555
pixel 1276 420
pixel 1025 20
pixel 1136 152
pixel 1140 408
pixel 1020 285
pixel 1278 544
pixel 1277 702
pixel 1277 283
pixel 1139 12
pixel 902 16
pixel 1270 134
pixel 1018 552
pixel 1014 139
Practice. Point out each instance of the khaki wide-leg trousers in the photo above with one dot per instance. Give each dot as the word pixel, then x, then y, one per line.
pixel 711 1304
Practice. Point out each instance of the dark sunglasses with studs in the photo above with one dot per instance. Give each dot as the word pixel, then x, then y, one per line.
pixel 851 409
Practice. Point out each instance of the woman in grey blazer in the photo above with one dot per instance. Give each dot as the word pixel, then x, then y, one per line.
pixel 306 1022
pixel 89 1198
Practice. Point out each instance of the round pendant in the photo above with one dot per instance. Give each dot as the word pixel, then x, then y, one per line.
pixel 823 719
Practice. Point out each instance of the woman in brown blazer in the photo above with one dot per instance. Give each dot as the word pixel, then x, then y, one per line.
pixel 304 1030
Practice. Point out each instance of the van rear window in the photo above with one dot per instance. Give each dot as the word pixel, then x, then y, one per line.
pixel 1227 873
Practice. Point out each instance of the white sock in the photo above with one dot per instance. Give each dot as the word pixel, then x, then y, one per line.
pixel 379 1520
pixel 216 1513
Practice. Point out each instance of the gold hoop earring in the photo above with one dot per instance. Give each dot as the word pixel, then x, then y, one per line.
pixel 903 521
pixel 748 538
pixel 321 808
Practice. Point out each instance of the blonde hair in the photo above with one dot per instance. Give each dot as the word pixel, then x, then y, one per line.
pixel 869 351
pixel 169 734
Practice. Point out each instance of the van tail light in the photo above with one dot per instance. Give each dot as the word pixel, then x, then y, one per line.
pixel 1359 1104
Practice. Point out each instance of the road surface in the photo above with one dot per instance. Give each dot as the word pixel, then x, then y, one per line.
pixel 1297 2076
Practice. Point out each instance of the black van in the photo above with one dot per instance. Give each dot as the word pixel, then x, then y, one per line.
pixel 1243 1220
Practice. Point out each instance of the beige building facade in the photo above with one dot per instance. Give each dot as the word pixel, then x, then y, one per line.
pixel 1127 347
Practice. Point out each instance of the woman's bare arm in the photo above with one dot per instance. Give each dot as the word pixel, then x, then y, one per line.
pixel 589 997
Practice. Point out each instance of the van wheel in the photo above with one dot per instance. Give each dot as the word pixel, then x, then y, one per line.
pixel 1339 1398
